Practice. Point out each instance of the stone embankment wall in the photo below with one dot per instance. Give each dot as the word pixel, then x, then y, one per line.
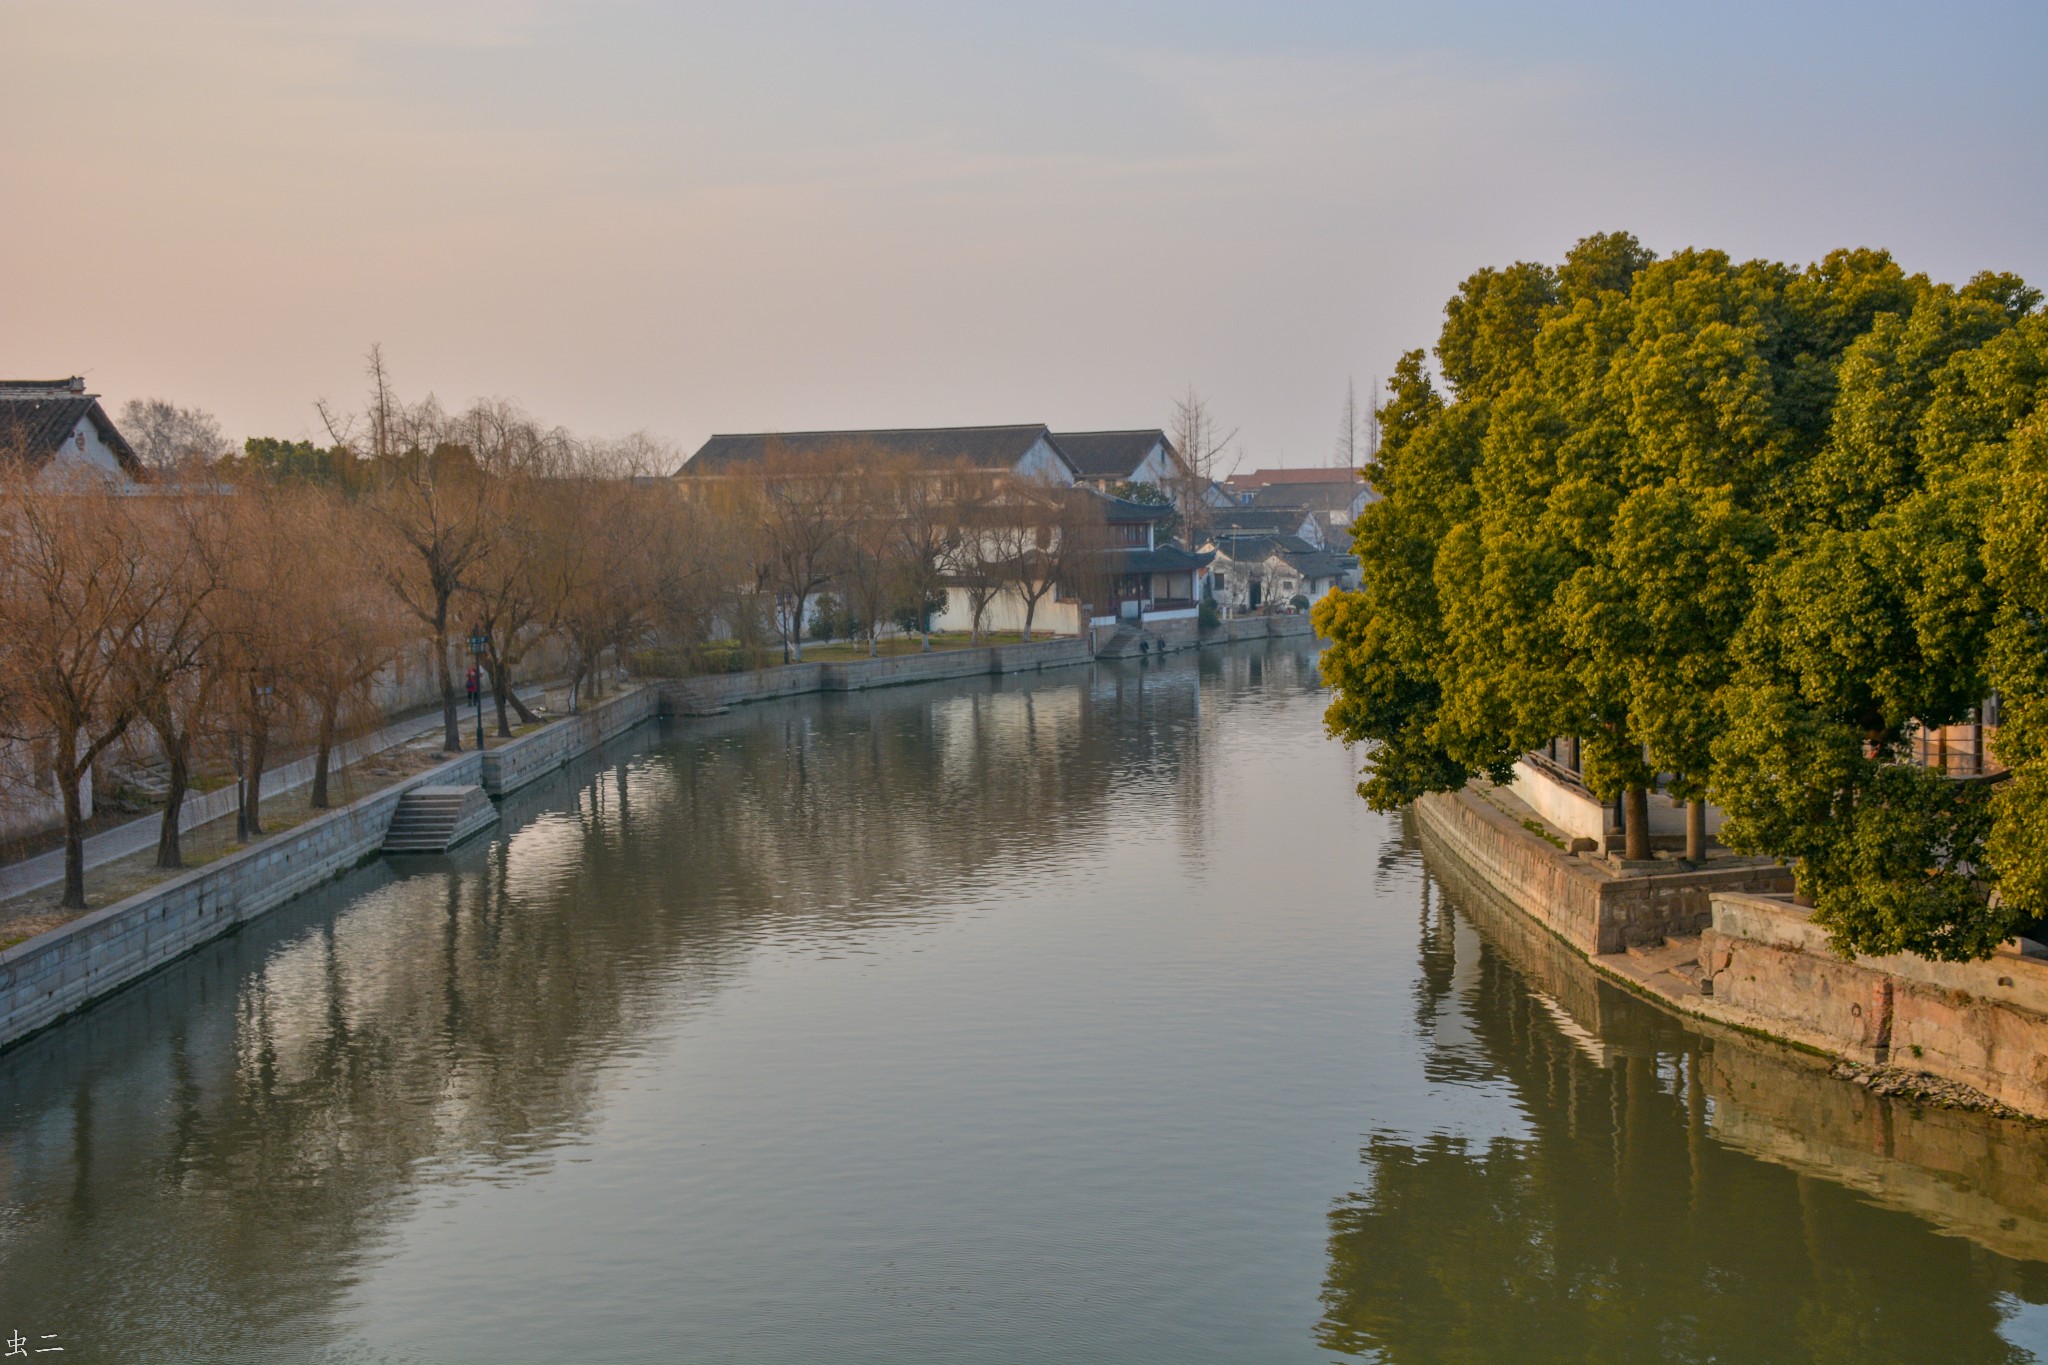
pixel 534 756
pixel 1589 905
pixel 1186 632
pixel 1982 1024
pixel 57 973
pixel 1966 1174
pixel 699 695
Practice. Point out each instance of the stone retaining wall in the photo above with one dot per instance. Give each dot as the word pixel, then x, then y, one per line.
pixel 1590 906
pixel 1259 628
pixel 710 693
pixel 1983 1024
pixel 60 972
pixel 534 756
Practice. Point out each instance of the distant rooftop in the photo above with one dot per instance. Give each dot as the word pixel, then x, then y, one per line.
pixel 37 415
pixel 981 447
pixel 1265 478
pixel 1109 454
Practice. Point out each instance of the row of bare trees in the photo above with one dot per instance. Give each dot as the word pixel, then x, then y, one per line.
pixel 890 537
pixel 233 609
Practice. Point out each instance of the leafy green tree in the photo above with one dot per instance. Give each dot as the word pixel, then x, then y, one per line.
pixel 2016 553
pixel 298 461
pixel 1725 523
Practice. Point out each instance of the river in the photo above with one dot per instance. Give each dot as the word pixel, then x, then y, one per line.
pixel 1080 1017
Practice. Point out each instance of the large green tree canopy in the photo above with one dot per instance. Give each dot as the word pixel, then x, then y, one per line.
pixel 1736 527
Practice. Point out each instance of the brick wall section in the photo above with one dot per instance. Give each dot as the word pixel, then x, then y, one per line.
pixel 1984 1024
pixel 1590 906
pixel 57 973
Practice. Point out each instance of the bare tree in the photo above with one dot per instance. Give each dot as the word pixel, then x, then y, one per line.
pixel 1200 440
pixel 603 536
pixel 928 503
pixel 86 590
pixel 1372 422
pixel 511 594
pixel 1080 558
pixel 980 560
pixel 1350 433
pixel 1040 536
pixel 804 510
pixel 181 712
pixel 168 437
pixel 351 630
pixel 268 594
pixel 871 570
pixel 433 493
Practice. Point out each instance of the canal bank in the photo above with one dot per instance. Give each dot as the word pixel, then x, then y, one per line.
pixel 1087 1008
pixel 1974 1175
pixel 55 974
pixel 1725 942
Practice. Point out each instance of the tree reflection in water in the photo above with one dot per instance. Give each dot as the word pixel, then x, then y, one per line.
pixel 1619 1226
pixel 205 1164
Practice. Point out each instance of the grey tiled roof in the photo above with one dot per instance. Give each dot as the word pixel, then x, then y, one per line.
pixel 35 418
pixel 1168 558
pixel 1313 497
pixel 1255 519
pixel 980 447
pixel 1129 509
pixel 1320 563
pixel 1109 454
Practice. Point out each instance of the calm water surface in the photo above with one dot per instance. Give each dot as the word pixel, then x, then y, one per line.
pixel 1081 1018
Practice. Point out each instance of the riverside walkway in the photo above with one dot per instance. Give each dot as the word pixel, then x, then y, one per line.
pixel 47 869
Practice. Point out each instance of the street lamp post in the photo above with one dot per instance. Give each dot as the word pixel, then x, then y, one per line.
pixel 477 645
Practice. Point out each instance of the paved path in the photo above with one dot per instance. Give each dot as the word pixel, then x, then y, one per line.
pixel 46 869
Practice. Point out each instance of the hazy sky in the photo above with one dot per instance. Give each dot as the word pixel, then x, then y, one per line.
pixel 691 218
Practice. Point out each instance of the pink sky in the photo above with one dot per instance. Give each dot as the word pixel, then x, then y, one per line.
pixel 698 218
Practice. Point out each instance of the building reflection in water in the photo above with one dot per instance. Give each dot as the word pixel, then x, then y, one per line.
pixel 1668 1195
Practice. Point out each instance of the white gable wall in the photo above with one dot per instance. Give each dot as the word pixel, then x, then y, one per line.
pixel 1044 463
pixel 1155 469
pixel 83 453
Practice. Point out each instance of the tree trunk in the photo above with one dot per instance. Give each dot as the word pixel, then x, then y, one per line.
pixel 500 686
pixel 450 716
pixel 1636 825
pixel 1030 610
pixel 526 716
pixel 170 852
pixel 795 635
pixel 241 789
pixel 74 829
pixel 259 748
pixel 1696 831
pixel 328 706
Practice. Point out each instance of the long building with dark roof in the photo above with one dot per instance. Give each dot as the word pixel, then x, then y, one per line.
pixel 1027 451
